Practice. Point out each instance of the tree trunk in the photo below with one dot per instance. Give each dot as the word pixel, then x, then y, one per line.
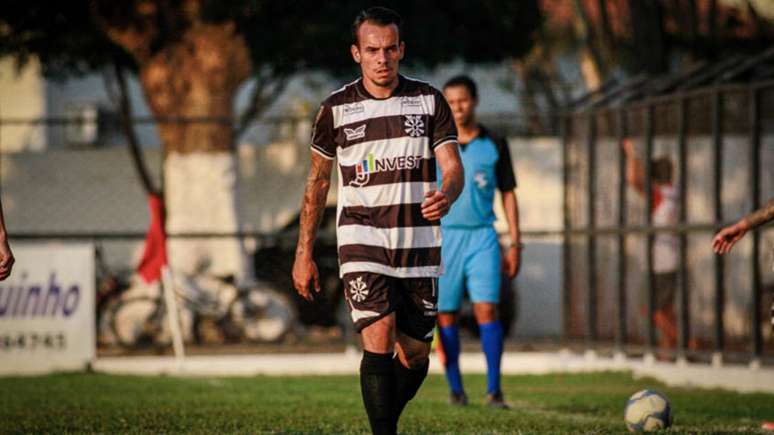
pixel 527 97
pixel 190 87
pixel 591 74
pixel 592 66
pixel 648 31
pixel 125 115
pixel 712 18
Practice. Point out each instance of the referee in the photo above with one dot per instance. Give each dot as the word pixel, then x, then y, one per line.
pixel 472 257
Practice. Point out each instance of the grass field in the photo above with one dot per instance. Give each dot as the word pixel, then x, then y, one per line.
pixel 584 403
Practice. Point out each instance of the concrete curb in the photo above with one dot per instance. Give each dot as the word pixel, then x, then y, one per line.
pixel 735 378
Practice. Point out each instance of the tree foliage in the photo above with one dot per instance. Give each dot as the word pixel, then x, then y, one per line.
pixel 283 37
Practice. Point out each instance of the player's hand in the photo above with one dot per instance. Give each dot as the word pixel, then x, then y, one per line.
pixel 435 206
pixel 6 259
pixel 305 274
pixel 725 239
pixel 511 261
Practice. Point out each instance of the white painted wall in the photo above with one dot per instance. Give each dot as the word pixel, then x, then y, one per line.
pixel 22 96
pixel 538 167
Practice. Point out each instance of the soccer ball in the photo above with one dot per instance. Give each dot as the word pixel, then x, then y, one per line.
pixel 647 411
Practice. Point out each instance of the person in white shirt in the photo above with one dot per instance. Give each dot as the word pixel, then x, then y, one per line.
pixel 665 245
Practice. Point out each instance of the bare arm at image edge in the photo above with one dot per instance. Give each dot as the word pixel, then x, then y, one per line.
pixel 725 239
pixel 315 194
pixel 761 216
pixel 6 256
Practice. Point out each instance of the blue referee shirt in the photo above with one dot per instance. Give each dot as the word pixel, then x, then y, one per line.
pixel 487 163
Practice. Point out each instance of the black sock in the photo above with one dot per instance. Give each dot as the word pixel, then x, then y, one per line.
pixel 377 383
pixel 407 383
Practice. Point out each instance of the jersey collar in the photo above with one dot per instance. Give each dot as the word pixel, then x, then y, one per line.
pixel 365 94
pixel 482 133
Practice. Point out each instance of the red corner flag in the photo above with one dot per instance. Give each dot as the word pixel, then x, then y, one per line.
pixel 154 256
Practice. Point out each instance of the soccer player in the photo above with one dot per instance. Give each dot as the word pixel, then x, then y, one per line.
pixel 725 239
pixel 388 133
pixel 665 246
pixel 6 256
pixel 471 251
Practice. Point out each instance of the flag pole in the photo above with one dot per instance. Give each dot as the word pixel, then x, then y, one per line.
pixel 167 285
pixel 154 267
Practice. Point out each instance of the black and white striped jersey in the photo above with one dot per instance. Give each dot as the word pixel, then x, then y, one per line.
pixel 386 162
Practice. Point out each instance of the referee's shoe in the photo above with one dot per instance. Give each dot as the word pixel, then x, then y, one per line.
pixel 496 401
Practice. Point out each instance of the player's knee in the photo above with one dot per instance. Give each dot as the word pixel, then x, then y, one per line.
pixel 485 312
pixel 446 319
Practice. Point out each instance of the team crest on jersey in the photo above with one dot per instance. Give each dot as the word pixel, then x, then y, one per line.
pixel 480 179
pixel 355 133
pixel 358 289
pixel 415 126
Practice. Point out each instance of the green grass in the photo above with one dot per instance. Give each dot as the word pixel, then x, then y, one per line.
pixel 584 403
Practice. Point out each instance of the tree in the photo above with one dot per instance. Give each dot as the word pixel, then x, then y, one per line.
pixel 610 38
pixel 191 57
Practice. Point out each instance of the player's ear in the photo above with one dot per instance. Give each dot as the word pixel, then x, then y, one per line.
pixel 355 52
pixel 402 50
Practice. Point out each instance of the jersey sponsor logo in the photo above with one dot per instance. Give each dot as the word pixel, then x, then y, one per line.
pixel 355 133
pixel 371 165
pixel 358 290
pixel 411 101
pixel 415 126
pixel 353 109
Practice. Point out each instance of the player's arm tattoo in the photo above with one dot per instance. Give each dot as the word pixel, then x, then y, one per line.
pixel 761 216
pixel 316 192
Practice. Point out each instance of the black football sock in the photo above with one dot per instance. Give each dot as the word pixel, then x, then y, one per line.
pixel 377 383
pixel 407 383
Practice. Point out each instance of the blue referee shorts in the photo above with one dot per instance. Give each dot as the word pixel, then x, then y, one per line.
pixel 471 260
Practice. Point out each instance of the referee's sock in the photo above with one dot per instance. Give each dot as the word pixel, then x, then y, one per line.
pixel 450 340
pixel 407 383
pixel 378 386
pixel 492 343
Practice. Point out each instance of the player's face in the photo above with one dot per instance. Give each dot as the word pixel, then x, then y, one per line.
pixel 378 52
pixel 462 104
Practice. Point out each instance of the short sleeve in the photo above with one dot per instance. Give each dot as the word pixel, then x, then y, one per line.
pixel 322 133
pixel 506 179
pixel 444 129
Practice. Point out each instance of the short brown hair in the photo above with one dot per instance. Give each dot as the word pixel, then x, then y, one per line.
pixel 378 15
